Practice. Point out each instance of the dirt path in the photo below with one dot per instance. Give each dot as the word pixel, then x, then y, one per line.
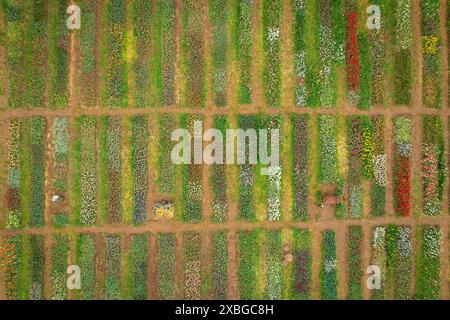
pixel 74 72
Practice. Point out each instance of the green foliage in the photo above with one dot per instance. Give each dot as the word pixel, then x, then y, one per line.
pixel 166 265
pixel 244 44
pixel 247 260
pixel 138 262
pixel 328 270
pixel 59 260
pixel 328 149
pixel 354 263
pixel 219 273
pixel 86 253
pixel 112 267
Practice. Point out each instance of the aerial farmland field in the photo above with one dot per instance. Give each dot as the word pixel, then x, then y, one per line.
pixel 315 163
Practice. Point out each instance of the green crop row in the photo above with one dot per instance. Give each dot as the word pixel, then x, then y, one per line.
pixel 88 37
pixel 86 254
pixel 59 261
pixel 428 284
pixel 274 255
pixel 166 170
pixel 328 270
pixel 116 86
pixel 193 46
pixel 328 149
pixel 271 31
pixel 354 259
pixel 433 164
pixel 139 150
pixel 378 191
pixel 247 261
pixel 142 38
pixel 59 48
pixel 247 174
pixel 218 13
pixel 192 266
pixel 166 266
pixel 112 267
pixel 37 178
pixel 138 267
pixel 84 171
pixel 244 42
pixel 220 264
pixel 300 288
pixel 192 179
pixel 218 180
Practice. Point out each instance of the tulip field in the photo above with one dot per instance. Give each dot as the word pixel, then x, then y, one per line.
pixel 87 117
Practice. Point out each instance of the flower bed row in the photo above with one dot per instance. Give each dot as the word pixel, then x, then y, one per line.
pixel 85 258
pixel 60 164
pixel 244 44
pixel 433 164
pixel 392 253
pixel 402 43
pixel 274 174
pixel 36 52
pixel 168 52
pixel 59 261
pixel 377 57
pixel 192 266
pixel 110 149
pixel 112 267
pixel 13 276
pixel 166 170
pixel 300 138
pixel 218 13
pixel 378 191
pixel 139 147
pixel 301 93
pixel 193 45
pixel 15 174
pixel 36 268
pixel 88 39
pixel 84 171
pixel 59 49
pixel 352 53
pixel 331 49
pixel 14 22
pixel 301 251
pixel 142 38
pixel 218 180
pixel 247 174
pixel 116 77
pixel 220 264
pixel 166 266
pixel 328 171
pixel 328 269
pixel 355 146
pixel 271 44
pixel 354 258
pixel 37 174
pixel 192 179
pixel 274 255
pixel 431 42
pixel 138 258
pixel 402 166
pixel 247 264
pixel 428 283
